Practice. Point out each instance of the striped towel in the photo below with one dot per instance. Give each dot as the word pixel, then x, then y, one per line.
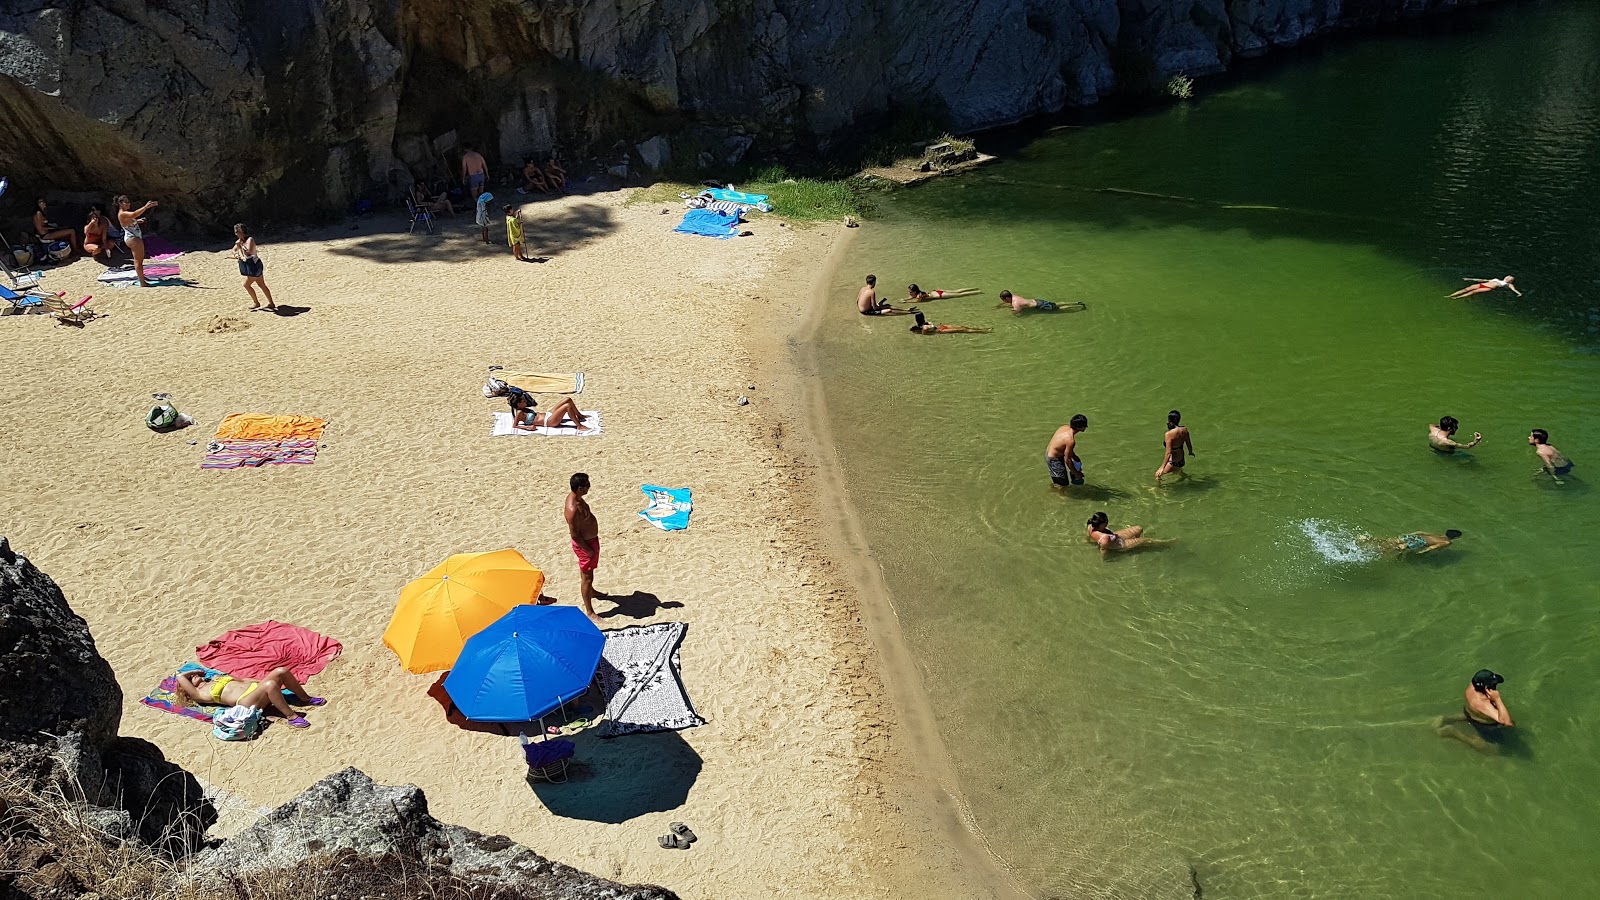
pixel 728 206
pixel 238 454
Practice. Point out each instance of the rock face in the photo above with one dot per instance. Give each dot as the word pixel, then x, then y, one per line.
pixel 228 107
pixel 346 816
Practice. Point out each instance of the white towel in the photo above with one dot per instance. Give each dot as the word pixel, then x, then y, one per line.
pixel 502 426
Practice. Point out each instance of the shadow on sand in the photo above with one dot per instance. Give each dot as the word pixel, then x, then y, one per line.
pixel 623 778
pixel 637 605
pixel 458 239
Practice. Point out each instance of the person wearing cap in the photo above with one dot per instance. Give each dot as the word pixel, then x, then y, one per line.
pixel 1483 711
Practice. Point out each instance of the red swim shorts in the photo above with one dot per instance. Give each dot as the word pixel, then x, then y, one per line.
pixel 588 556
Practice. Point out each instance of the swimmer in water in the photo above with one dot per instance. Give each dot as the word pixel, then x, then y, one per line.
pixel 1551 459
pixel 868 304
pixel 1174 442
pixel 1484 285
pixel 1484 719
pixel 1417 542
pixel 1019 303
pixel 923 326
pixel 1441 436
pixel 915 294
pixel 1130 538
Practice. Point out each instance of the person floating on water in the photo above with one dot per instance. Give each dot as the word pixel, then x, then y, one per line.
pixel 1441 436
pixel 1418 542
pixel 1019 303
pixel 1175 443
pixel 1484 285
pixel 1484 718
pixel 1551 459
pixel 1061 454
pixel 1130 538
pixel 868 304
pixel 923 326
pixel 915 294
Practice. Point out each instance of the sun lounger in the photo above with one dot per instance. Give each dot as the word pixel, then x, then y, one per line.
pixel 69 313
pixel 24 301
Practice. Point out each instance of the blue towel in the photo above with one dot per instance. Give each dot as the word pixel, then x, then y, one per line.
pixel 736 196
pixel 669 507
pixel 708 223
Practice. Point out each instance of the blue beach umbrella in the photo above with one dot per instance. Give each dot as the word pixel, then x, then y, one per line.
pixel 525 664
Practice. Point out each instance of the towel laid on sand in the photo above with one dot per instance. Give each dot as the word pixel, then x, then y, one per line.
pixel 502 427
pixel 261 427
pixel 253 454
pixel 122 276
pixel 708 223
pixel 669 507
pixel 543 382
pixel 255 650
pixel 736 196
pixel 638 676
pixel 166 698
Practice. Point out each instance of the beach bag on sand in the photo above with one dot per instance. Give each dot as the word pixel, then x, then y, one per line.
pixel 494 387
pixel 236 723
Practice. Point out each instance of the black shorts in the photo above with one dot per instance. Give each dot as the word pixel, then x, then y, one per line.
pixel 251 268
pixel 875 311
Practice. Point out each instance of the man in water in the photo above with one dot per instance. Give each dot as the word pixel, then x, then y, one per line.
pixel 1551 459
pixel 1061 455
pixel 1418 542
pixel 1176 442
pixel 868 304
pixel 1019 303
pixel 1484 285
pixel 1441 436
pixel 585 533
pixel 1484 717
pixel 923 326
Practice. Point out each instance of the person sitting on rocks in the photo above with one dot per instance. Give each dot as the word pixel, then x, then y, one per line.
pixel 225 690
pixel 555 176
pixel 533 178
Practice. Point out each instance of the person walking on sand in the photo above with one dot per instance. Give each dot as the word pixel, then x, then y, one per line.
pixel 514 233
pixel 585 532
pixel 474 170
pixel 132 222
pixel 1441 436
pixel 923 326
pixel 1018 303
pixel 1061 454
pixel 916 294
pixel 1551 460
pixel 47 231
pixel 1483 714
pixel 1484 285
pixel 1175 443
pixel 1123 539
pixel 251 267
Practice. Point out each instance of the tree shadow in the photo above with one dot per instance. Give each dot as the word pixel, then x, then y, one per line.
pixel 616 780
pixel 637 605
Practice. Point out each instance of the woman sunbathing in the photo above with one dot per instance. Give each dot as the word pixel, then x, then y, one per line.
pixel 523 418
pixel 225 690
pixel 915 294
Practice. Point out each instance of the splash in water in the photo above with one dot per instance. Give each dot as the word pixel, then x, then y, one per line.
pixel 1336 543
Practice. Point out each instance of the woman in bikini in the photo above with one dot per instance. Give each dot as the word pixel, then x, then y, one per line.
pixel 96 235
pixel 523 418
pixel 915 294
pixel 1130 538
pixel 923 326
pixel 48 231
pixel 1483 285
pixel 132 222
pixel 225 690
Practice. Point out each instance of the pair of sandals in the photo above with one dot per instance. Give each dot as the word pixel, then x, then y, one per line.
pixel 679 838
pixel 302 721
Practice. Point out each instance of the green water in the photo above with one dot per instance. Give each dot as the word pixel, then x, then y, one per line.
pixel 1254 702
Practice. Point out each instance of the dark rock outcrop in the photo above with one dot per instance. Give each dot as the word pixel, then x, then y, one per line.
pixel 223 107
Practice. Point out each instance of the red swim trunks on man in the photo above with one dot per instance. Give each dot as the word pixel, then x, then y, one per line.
pixel 588 556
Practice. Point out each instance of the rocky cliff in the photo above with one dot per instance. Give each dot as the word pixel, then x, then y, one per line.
pixel 85 813
pixel 223 107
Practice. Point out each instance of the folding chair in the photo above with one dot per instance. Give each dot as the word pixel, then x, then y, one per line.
pixel 66 313
pixel 417 215
pixel 24 301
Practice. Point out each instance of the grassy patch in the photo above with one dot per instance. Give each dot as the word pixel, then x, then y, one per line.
pixel 793 199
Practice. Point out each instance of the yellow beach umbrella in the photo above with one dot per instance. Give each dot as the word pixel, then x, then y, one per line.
pixel 458 599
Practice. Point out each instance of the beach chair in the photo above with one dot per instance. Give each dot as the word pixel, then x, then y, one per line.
pixel 547 760
pixel 67 313
pixel 18 302
pixel 417 215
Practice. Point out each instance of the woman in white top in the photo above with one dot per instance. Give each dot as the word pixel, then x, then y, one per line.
pixel 132 223
pixel 251 267
pixel 1483 285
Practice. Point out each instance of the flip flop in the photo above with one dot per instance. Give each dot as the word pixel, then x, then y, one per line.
pixel 672 842
pixel 682 831
pixel 299 722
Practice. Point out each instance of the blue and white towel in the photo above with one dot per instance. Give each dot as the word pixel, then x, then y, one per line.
pixel 708 223
pixel 739 197
pixel 669 507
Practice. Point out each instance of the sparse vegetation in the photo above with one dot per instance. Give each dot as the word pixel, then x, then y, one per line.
pixel 793 199
pixel 1180 87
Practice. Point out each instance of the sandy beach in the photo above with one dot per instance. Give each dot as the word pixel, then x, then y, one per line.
pixel 809 778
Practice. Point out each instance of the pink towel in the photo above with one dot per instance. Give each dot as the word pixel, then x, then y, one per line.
pixel 255 650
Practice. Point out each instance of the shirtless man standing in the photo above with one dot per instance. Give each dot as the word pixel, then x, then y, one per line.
pixel 474 171
pixel 1441 436
pixel 1061 456
pixel 1551 460
pixel 868 304
pixel 585 533
pixel 1175 442
pixel 1482 712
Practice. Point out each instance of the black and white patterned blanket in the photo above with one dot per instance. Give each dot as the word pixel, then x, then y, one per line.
pixel 638 676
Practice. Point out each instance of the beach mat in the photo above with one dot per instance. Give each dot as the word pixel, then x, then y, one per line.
pixel 166 699
pixel 263 427
pixel 639 678
pixel 253 454
pixel 708 223
pixel 123 276
pixel 543 382
pixel 736 196
pixel 502 427
pixel 669 507
pixel 255 650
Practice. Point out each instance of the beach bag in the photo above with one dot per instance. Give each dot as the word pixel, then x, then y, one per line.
pixel 494 387
pixel 236 723
pixel 59 250
pixel 162 418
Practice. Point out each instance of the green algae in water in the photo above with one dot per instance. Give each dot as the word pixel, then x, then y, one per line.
pixel 1255 702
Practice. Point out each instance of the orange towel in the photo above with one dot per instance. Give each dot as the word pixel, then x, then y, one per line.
pixel 259 427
